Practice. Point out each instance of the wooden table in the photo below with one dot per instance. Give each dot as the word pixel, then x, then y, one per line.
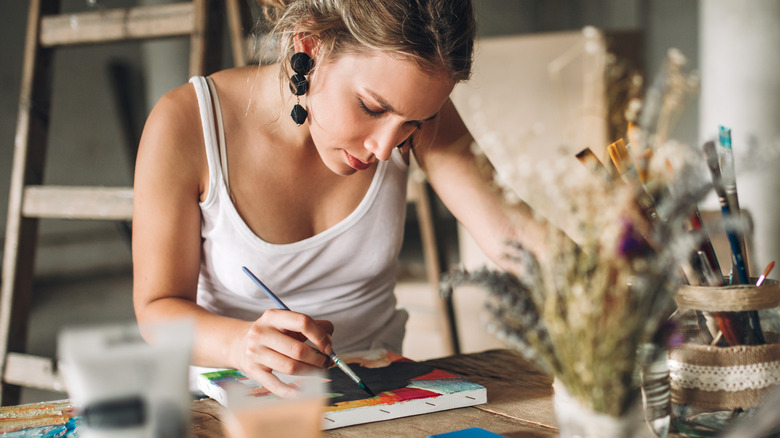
pixel 519 403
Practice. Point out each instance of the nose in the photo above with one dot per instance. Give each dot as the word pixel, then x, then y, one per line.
pixel 382 141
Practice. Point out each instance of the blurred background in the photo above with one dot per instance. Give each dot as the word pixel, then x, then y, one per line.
pixel 103 93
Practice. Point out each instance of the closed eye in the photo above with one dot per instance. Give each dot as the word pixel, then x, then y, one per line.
pixel 369 111
pixel 376 114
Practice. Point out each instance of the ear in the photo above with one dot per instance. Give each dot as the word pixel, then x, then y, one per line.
pixel 306 42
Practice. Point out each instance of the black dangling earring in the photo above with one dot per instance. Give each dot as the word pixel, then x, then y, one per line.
pixel 301 64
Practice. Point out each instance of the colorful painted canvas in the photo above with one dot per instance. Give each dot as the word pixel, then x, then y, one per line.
pixel 403 387
pixel 51 419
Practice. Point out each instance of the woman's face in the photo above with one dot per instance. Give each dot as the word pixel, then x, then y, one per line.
pixel 361 107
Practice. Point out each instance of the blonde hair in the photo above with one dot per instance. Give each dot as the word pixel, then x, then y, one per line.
pixel 437 34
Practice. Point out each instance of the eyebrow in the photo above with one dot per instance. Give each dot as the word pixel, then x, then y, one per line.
pixel 387 107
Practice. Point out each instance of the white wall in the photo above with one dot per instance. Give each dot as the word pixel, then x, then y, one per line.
pixel 740 54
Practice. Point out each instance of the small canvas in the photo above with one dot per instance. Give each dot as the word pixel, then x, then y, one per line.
pixel 403 387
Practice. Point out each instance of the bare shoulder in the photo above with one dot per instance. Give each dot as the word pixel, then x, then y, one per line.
pixel 251 102
pixel 175 114
pixel 242 79
pixel 172 146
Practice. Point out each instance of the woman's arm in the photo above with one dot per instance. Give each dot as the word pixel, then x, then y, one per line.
pixel 170 179
pixel 466 189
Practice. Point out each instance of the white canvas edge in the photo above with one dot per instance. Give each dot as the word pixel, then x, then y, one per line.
pixel 369 414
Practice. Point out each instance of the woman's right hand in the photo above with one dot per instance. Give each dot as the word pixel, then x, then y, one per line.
pixel 277 342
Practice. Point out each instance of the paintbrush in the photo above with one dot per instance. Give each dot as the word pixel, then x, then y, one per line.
pixel 620 154
pixel 708 324
pixel 736 250
pixel 343 366
pixel 654 117
pixel 728 175
pixel 725 208
pixel 726 323
pixel 637 161
pixel 727 170
pixel 766 272
pixel 695 225
pixel 593 164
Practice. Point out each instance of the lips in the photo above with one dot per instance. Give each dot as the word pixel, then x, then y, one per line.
pixel 355 163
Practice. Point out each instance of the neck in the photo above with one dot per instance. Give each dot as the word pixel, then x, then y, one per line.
pixel 271 104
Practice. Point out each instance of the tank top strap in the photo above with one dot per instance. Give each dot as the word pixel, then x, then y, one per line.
pixel 213 134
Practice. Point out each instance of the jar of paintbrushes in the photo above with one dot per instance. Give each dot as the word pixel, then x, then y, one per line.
pixel 729 360
pixel 727 364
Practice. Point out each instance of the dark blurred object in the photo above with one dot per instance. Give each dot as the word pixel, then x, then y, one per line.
pixel 763 424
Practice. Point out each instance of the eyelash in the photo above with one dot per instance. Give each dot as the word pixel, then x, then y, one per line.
pixel 368 111
pixel 376 114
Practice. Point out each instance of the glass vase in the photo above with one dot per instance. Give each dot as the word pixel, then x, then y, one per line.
pixel 576 420
pixel 730 358
pixel 656 397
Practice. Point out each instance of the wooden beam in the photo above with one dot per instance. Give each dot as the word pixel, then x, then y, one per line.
pixel 206 37
pixel 119 24
pixel 239 25
pixel 61 202
pixel 32 371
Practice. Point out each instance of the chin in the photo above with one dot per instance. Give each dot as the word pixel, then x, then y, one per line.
pixel 341 168
pixel 335 161
pixel 347 171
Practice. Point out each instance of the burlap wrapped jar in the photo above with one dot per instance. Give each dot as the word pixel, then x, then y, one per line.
pixel 713 386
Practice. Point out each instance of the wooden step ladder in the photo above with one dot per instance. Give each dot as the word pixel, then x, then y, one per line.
pixel 29 200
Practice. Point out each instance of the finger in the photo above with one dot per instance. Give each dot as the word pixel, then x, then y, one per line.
pixel 305 325
pixel 283 351
pixel 270 359
pixel 325 357
pixel 269 381
pixel 325 324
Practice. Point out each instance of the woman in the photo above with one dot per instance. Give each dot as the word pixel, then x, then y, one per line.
pixel 305 185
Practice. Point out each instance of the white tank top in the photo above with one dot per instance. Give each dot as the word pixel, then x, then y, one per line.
pixel 345 274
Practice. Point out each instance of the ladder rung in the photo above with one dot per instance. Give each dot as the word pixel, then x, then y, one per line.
pixel 111 203
pixel 32 371
pixel 118 24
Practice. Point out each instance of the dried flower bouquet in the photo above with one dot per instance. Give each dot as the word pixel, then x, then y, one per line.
pixel 582 313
